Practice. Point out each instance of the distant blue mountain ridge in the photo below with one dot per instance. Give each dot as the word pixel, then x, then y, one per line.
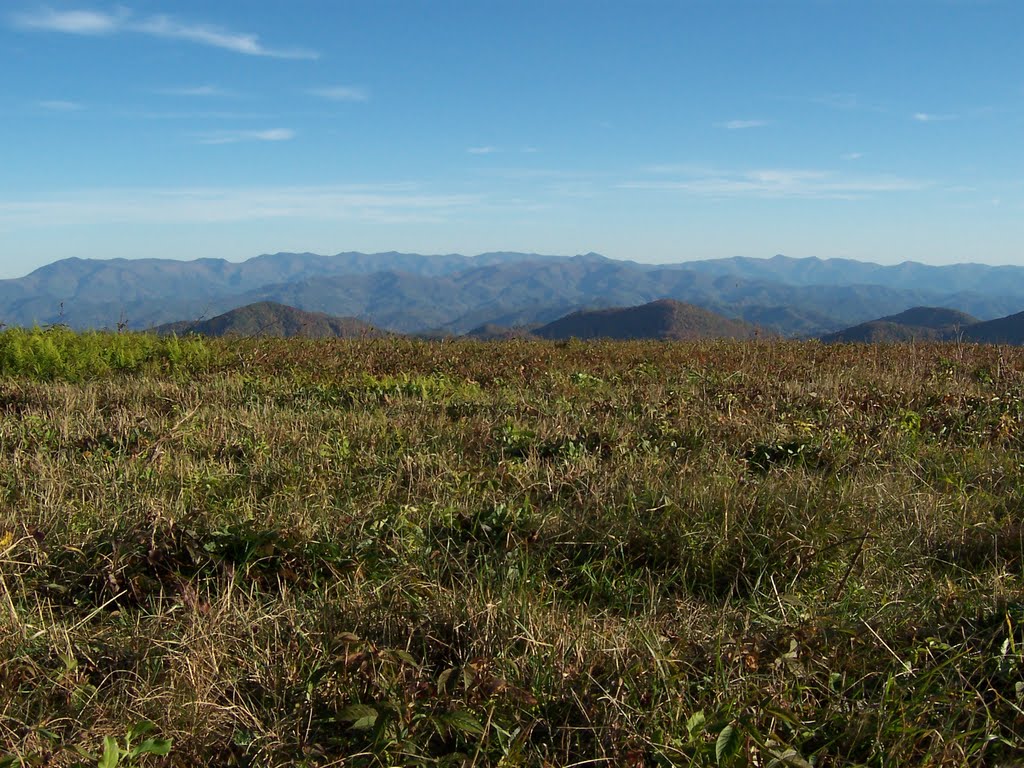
pixel 452 293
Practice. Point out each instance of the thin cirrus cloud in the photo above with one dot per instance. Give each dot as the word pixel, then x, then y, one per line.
pixel 931 117
pixel 491 150
pixel 340 93
pixel 98 23
pixel 59 105
pixel 402 202
pixel 194 90
pixel 777 183
pixel 234 137
pixel 741 125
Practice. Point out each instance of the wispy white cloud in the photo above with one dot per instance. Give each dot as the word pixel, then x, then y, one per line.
pixel 59 105
pixel 194 90
pixel 488 150
pixel 146 114
pixel 341 93
pixel 853 156
pixel 91 22
pixel 213 205
pixel 739 125
pixel 531 174
pixel 233 137
pixel 680 169
pixel 780 183
pixel 70 22
pixel 167 27
pixel 931 117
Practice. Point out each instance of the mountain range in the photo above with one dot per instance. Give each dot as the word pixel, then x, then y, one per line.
pixel 455 294
pixel 663 320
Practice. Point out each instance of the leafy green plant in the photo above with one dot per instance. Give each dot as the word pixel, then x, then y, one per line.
pixel 58 353
pixel 126 752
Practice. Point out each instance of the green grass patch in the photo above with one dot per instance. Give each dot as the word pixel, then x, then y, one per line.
pixel 388 552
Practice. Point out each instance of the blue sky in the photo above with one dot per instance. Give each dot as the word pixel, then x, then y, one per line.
pixel 654 131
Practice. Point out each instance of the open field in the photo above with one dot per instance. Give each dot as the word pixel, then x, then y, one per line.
pixel 390 552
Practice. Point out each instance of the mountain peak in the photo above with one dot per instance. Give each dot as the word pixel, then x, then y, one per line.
pixel 914 324
pixel 661 319
pixel 269 318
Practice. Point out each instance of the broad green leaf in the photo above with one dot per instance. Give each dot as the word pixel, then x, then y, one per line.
pixel 406 657
pixel 111 753
pixel 728 743
pixel 696 723
pixel 362 716
pixel 141 728
pixel 442 679
pixel 152 747
pixel 463 721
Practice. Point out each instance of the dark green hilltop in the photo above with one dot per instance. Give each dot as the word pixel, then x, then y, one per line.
pixel 267 318
pixel 935 324
pixel 664 319
pixel 917 323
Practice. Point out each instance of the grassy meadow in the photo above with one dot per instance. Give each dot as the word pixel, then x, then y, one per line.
pixel 393 552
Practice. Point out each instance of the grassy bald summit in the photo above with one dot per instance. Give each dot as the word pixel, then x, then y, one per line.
pixel 663 319
pixel 267 318
pixel 915 324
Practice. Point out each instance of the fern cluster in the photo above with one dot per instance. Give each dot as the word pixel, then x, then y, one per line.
pixel 60 354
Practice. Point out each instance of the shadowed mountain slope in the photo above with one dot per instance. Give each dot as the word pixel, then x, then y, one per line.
pixel 1004 330
pixel 881 332
pixel 915 324
pixel 663 319
pixel 270 319
pixel 937 318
